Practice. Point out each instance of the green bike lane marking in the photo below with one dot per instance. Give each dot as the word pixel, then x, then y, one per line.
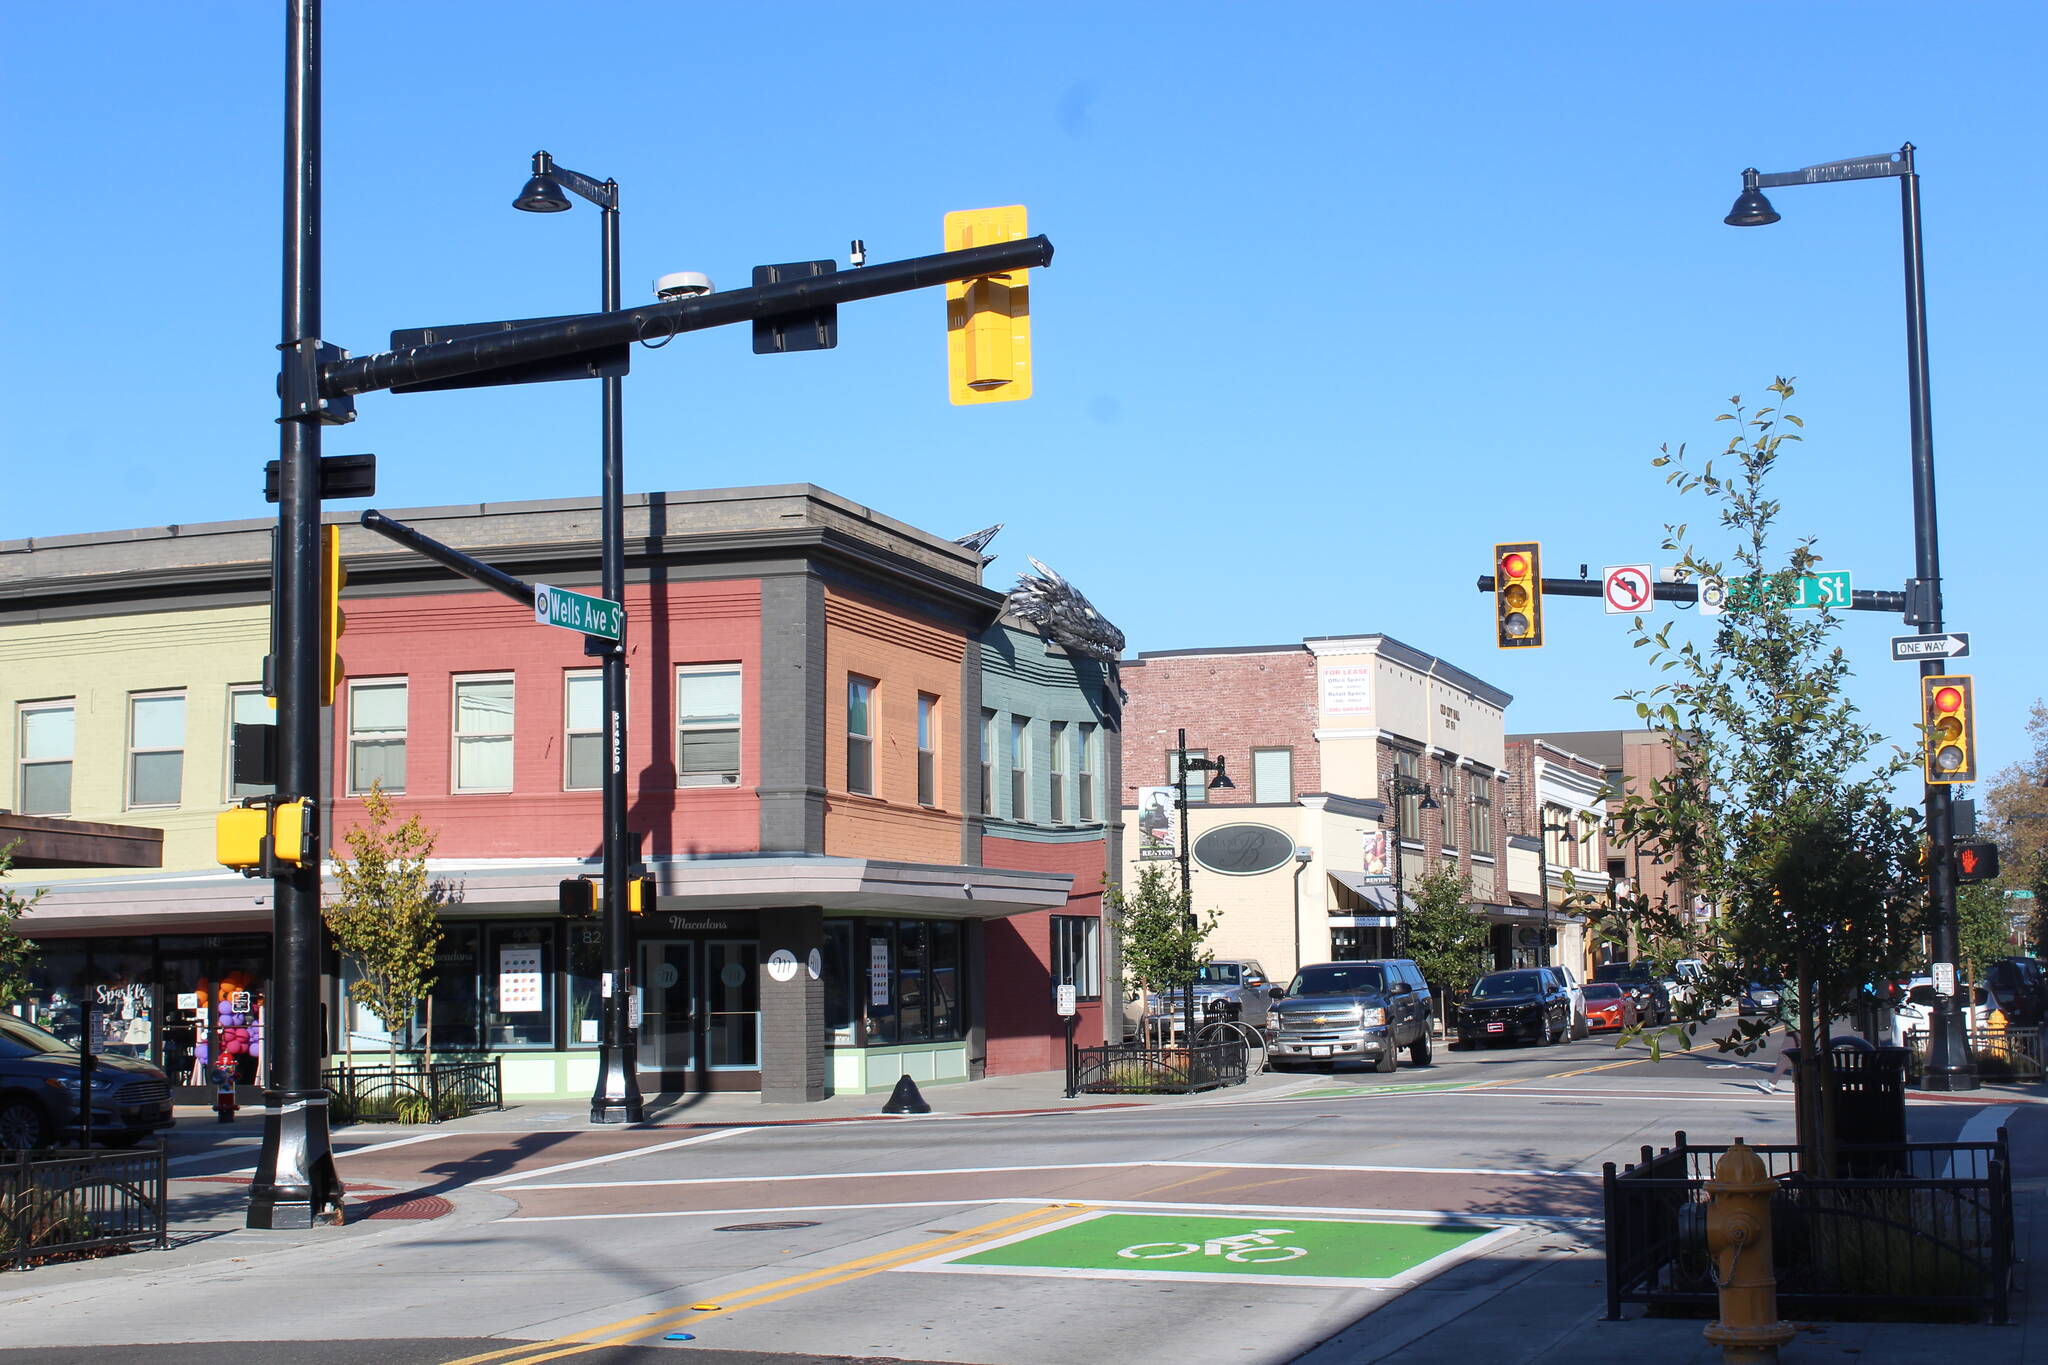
pixel 1274 1248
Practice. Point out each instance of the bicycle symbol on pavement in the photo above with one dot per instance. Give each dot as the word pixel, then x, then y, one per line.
pixel 1245 1248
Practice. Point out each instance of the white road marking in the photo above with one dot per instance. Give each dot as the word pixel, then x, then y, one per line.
pixel 1341 1211
pixel 713 1136
pixel 1049 1166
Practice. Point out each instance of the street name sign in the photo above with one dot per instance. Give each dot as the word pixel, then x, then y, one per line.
pixel 1910 648
pixel 1811 591
pixel 597 616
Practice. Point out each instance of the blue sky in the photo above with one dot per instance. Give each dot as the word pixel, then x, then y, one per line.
pixel 1344 293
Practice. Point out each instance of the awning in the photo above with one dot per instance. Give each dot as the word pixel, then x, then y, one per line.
pixel 43 842
pixel 1377 897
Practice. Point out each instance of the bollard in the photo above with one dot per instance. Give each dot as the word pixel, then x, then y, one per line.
pixel 1748 1331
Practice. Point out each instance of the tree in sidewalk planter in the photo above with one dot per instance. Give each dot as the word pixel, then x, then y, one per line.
pixel 1779 809
pixel 1160 938
pixel 1443 937
pixel 15 951
pixel 384 916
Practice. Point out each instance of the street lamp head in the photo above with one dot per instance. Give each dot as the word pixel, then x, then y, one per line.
pixel 1751 208
pixel 1428 802
pixel 542 194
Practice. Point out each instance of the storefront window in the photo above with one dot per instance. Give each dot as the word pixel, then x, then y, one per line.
pixel 911 966
pixel 905 976
pixel 586 975
pixel 839 983
pixel 518 989
pixel 878 979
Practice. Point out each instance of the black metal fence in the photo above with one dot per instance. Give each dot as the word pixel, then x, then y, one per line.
pixel 57 1205
pixel 2001 1053
pixel 1135 1069
pixel 413 1092
pixel 1935 1236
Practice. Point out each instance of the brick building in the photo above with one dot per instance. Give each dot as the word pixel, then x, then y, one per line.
pixel 1300 855
pixel 806 690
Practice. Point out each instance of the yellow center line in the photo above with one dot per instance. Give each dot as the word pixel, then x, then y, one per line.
pixel 646 1325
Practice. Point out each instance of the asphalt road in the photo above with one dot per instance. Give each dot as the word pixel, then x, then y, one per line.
pixel 1003 1239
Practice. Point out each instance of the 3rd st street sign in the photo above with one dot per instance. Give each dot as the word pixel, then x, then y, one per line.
pixel 597 616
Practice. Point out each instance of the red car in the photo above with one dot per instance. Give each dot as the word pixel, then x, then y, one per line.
pixel 1609 1007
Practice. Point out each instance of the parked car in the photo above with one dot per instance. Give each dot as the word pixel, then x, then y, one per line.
pixel 1581 1025
pixel 1354 1011
pixel 1760 997
pixel 1526 1004
pixel 1225 988
pixel 2019 988
pixel 1609 1007
pixel 1653 998
pixel 40 1089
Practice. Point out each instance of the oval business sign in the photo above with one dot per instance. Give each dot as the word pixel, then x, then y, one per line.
pixel 1244 849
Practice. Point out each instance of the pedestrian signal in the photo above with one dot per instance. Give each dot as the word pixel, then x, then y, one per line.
pixel 988 320
pixel 1976 861
pixel 640 893
pixel 578 897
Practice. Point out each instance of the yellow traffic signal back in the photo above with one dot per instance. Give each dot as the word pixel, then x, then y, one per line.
pixel 333 575
pixel 260 838
pixel 1948 708
pixel 988 320
pixel 578 897
pixel 640 893
pixel 238 835
pixel 1518 594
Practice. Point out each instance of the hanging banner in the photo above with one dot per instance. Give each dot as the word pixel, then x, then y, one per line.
pixel 1378 872
pixel 1158 824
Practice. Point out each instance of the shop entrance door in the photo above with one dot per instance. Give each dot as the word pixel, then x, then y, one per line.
pixel 700 1015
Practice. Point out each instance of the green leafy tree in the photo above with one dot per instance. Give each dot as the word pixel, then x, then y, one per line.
pixel 1161 942
pixel 1780 809
pixel 1983 929
pixel 15 951
pixel 2016 816
pixel 384 915
pixel 1445 939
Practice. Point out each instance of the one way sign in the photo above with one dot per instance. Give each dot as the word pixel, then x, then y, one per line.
pixel 1910 648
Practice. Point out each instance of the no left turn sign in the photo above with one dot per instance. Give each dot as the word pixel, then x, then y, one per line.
pixel 1625 588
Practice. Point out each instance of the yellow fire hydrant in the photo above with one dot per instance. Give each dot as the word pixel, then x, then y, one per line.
pixel 1739 1240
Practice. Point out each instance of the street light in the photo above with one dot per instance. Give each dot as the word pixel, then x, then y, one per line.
pixel 1948 1065
pixel 617 1097
pixel 1182 766
pixel 1405 786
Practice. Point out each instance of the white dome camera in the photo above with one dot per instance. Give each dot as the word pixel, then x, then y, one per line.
pixel 683 284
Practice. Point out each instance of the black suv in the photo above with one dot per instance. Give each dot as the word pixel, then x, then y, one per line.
pixel 1354 1011
pixel 39 1091
pixel 1653 998
pixel 1529 1004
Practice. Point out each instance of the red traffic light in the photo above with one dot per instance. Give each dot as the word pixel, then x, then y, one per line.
pixel 1948 700
pixel 1514 565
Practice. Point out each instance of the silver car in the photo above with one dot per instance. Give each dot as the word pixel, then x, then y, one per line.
pixel 1226 988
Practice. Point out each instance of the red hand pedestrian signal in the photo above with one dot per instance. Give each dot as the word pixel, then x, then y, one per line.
pixel 1976 861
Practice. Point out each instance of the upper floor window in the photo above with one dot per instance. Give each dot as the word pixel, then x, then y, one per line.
pixel 860 734
pixel 583 730
pixel 708 725
pixel 47 735
pixel 376 735
pixel 1559 846
pixel 1482 825
pixel 1088 766
pixel 247 706
pixel 1410 807
pixel 1020 768
pixel 1056 772
pixel 1198 779
pixel 1447 795
pixel 156 748
pixel 988 759
pixel 1272 776
pixel 927 749
pixel 483 734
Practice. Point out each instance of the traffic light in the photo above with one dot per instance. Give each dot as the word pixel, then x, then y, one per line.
pixel 1976 861
pixel 333 575
pixel 988 320
pixel 1518 595
pixel 578 897
pixel 238 835
pixel 640 892
pixel 1948 708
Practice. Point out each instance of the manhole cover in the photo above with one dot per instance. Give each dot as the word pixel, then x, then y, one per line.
pixel 762 1227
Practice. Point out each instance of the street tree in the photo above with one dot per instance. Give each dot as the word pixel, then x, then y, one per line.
pixel 2016 817
pixel 384 916
pixel 15 951
pixel 1161 941
pixel 1779 809
pixel 1443 937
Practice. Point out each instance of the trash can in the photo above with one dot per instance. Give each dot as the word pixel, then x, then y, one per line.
pixel 1870 1107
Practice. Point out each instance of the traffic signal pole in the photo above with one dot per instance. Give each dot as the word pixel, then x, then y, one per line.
pixel 295 1183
